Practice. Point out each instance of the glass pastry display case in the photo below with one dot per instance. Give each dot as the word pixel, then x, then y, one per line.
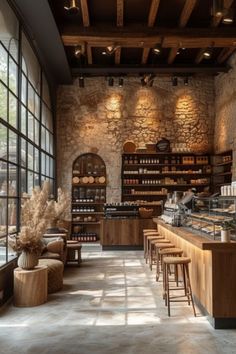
pixel 208 215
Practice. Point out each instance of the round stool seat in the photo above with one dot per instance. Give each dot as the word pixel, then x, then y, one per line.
pixel 68 242
pixel 160 241
pixel 149 230
pixel 55 274
pixel 151 234
pixel 164 245
pixel 171 251
pixel 154 237
pixel 176 260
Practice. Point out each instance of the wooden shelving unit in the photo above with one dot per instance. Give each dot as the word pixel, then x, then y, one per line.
pixel 148 177
pixel 88 198
pixel 222 170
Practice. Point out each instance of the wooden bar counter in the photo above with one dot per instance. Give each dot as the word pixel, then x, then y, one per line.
pixel 212 271
pixel 124 233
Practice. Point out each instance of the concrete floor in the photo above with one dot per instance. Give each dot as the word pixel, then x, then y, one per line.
pixel 111 304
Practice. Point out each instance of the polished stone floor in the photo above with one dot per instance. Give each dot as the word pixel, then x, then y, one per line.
pixel 111 304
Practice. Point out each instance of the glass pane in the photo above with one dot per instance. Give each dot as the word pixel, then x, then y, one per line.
pixel 36 131
pixel 3 251
pixel 12 189
pixel 8 25
pixel 23 125
pixel 30 181
pixel 30 156
pixel 3 102
pixel 46 94
pixel 36 180
pixel 23 89
pixel 12 152
pixel 3 141
pixel 37 106
pixel 23 153
pixel 3 178
pixel 3 64
pixel 31 94
pixel 3 216
pixel 11 253
pixel 47 165
pixel 47 141
pixel 32 63
pixel 36 160
pixel 51 167
pixel 13 48
pixel 12 110
pixel 13 76
pixel 23 181
pixel 51 144
pixel 12 217
pixel 30 126
pixel 43 163
pixel 43 138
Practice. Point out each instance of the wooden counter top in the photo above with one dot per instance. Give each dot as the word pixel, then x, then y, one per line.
pixel 197 240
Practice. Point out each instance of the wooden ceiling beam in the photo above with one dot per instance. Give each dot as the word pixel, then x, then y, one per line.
pixel 85 13
pixel 186 12
pixel 145 55
pixel 172 55
pixel 225 54
pixel 153 12
pixel 217 20
pixel 117 55
pixel 120 13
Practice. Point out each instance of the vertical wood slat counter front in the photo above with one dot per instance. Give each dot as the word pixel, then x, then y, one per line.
pixel 212 271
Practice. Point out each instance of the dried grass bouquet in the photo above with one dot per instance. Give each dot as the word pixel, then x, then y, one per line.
pixel 34 221
pixel 57 208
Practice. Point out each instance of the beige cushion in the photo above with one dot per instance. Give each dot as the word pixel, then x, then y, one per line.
pixel 55 274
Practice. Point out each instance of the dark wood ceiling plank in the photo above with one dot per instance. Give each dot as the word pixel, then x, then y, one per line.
pixel 117 55
pixel 217 20
pixel 89 55
pixel 172 55
pixel 153 12
pixel 120 13
pixel 85 13
pixel 225 54
pixel 186 12
pixel 145 55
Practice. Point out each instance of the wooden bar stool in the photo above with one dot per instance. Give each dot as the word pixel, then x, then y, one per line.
pixel 168 252
pixel 149 240
pixel 183 262
pixel 145 236
pixel 160 244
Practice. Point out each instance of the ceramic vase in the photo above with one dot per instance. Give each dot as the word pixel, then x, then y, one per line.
pixel 27 260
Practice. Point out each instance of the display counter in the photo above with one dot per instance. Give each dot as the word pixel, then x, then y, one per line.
pixel 212 271
pixel 126 233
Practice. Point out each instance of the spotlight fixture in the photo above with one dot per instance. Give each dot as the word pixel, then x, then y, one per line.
pixel 81 81
pixel 73 7
pixel 157 49
pixel 207 54
pixel 121 82
pixel 174 81
pixel 110 49
pixel 110 81
pixel 217 8
pixel 228 17
pixel 79 50
pixel 186 81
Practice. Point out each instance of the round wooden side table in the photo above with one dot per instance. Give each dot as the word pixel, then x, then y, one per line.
pixel 30 286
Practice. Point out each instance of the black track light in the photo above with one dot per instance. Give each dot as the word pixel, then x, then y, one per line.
pixel 79 50
pixel 228 17
pixel 207 54
pixel 81 81
pixel 121 82
pixel 72 7
pixel 217 8
pixel 157 49
pixel 110 81
pixel 174 81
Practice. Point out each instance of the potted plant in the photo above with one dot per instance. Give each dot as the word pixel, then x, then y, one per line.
pixel 227 226
pixel 57 209
pixel 34 219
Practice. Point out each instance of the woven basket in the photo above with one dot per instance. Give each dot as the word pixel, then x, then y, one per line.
pixel 145 213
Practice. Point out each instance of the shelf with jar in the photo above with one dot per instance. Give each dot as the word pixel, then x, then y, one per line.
pixel 88 195
pixel 222 170
pixel 154 174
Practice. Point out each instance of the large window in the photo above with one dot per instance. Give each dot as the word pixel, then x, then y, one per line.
pixel 26 126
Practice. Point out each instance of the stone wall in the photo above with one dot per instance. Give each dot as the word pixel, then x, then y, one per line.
pixel 99 118
pixel 225 105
